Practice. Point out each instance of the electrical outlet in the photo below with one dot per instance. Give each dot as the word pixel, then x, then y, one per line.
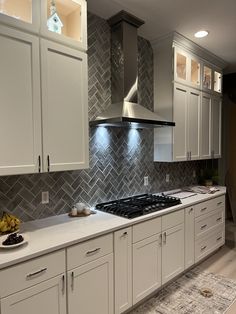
pixel 167 178
pixel 45 197
pixel 145 181
pixel 194 173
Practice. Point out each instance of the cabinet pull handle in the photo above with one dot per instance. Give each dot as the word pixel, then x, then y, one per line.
pixel 48 159
pixel 203 227
pixel 203 248
pixel 218 239
pixel 219 203
pixel 160 239
pixel 203 209
pixel 164 237
pixel 39 272
pixel 195 94
pixel 218 219
pixel 63 284
pixel 124 234
pixel 39 160
pixel 180 89
pixel 72 280
pixel 93 251
pixel 190 153
pixel 191 210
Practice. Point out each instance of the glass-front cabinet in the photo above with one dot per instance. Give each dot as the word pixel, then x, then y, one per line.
pixel 217 82
pixel 65 21
pixel 195 72
pixel 187 69
pixel 23 14
pixel 207 78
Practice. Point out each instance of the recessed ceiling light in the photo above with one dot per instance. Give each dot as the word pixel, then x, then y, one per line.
pixel 201 34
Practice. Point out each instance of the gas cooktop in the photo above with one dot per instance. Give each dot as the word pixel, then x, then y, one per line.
pixel 138 205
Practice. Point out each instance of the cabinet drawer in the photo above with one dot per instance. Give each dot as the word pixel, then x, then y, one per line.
pixel 206 207
pixel 32 272
pixel 206 222
pixel 209 243
pixel 173 219
pixel 146 229
pixel 88 251
pixel 218 202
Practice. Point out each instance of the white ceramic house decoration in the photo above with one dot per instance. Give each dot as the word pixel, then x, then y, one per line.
pixel 54 22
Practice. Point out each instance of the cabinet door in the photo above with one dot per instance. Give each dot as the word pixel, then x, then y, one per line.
pixel 46 297
pixel 180 118
pixel 65 21
pixel 22 14
pixel 207 77
pixel 172 253
pixel 123 269
pixel 181 66
pixel 216 127
pixel 205 126
pixel 195 72
pixel 90 287
pixel 146 267
pixel 193 133
pixel 189 237
pixel 65 107
pixel 218 82
pixel 20 119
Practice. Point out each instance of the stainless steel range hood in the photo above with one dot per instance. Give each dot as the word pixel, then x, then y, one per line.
pixel 125 110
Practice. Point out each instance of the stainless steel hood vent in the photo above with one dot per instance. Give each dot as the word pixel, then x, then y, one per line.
pixel 125 110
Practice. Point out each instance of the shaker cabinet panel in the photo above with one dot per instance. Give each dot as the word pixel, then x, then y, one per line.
pixel 123 269
pixel 206 126
pixel 172 253
pixel 65 107
pixel 180 118
pixel 20 119
pixel 146 267
pixel 216 127
pixel 193 130
pixel 189 239
pixel 90 287
pixel 46 297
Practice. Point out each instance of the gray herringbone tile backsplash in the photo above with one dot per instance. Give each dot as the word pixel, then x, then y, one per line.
pixel 119 158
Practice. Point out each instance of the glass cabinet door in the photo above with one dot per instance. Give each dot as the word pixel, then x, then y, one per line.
pixel 23 14
pixel 217 82
pixel 195 72
pixel 207 77
pixel 181 66
pixel 65 21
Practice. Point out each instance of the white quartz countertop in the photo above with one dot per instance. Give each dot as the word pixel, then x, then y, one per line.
pixel 57 232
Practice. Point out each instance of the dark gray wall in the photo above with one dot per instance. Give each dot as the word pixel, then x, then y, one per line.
pixel 119 158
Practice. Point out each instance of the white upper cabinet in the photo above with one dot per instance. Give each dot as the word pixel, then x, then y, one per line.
pixel 211 79
pixel 205 129
pixel 65 21
pixel 185 86
pixel 65 107
pixel 23 14
pixel 20 119
pixel 187 68
pixel 216 127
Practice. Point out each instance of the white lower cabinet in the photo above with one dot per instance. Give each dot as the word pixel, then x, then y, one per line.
pixel 189 240
pixel 146 267
pixel 90 287
pixel 46 297
pixel 172 253
pixel 123 269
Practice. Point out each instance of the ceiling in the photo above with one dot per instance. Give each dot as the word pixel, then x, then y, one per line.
pixel 184 16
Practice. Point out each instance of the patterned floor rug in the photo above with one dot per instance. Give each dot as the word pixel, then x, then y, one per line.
pixel 183 295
